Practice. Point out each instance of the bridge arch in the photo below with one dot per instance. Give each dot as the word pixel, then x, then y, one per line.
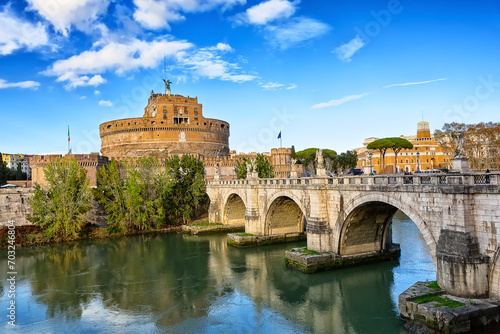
pixel 234 209
pixel 372 214
pixel 284 214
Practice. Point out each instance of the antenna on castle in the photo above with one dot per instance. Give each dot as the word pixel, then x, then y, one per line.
pixel 167 82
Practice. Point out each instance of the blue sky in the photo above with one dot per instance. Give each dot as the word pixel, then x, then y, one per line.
pixel 326 73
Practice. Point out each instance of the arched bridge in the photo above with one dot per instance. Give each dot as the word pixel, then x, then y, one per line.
pixel 458 215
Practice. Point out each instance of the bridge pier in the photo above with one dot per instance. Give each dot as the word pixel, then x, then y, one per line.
pixel 461 270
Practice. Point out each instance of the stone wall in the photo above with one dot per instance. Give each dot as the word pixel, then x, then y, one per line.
pixel 14 205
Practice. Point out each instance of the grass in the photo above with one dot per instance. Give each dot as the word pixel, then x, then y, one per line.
pixel 306 251
pixel 434 285
pixel 206 224
pixel 245 235
pixel 446 302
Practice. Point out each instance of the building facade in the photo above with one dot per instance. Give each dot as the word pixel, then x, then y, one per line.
pixel 171 124
pixel 12 160
pixel 426 155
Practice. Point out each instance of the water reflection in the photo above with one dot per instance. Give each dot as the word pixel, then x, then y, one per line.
pixel 180 284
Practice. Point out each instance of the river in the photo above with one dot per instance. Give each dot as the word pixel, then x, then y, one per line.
pixel 197 284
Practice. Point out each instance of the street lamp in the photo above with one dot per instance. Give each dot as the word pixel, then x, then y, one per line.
pixel 370 154
pixel 418 162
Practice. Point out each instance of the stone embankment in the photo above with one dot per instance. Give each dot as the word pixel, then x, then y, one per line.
pixel 212 228
pixel 243 240
pixel 15 205
pixel 427 309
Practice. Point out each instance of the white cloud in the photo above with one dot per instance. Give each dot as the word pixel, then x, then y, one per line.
pixel 266 12
pixel 222 47
pixel 292 86
pixel 118 57
pixel 83 97
pixel 17 34
pixel 158 14
pixel 207 62
pixel 86 68
pixel 294 32
pixel 346 51
pixel 271 85
pixel 106 103
pixel 22 84
pixel 66 13
pixel 415 83
pixel 338 102
pixel 96 92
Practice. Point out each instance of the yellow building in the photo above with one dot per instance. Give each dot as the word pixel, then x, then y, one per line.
pixel 12 160
pixel 426 155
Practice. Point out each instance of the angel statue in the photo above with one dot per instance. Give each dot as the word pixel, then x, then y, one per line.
pixel 320 161
pixel 459 139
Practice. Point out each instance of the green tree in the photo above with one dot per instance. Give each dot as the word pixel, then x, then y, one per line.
pixel 19 172
pixel 381 145
pixel 294 155
pixel 397 144
pixel 264 167
pixel 241 168
pixel 61 208
pixel 110 193
pixel 188 187
pixel 3 171
pixel 308 158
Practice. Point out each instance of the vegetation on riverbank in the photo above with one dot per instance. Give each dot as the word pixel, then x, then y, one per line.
pixel 138 196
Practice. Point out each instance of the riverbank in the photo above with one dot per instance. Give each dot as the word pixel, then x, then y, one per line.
pixel 32 235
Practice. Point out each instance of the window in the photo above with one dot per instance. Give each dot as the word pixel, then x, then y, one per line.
pixel 175 108
pixel 164 109
pixel 195 110
pixel 181 120
pixel 153 122
pixel 185 110
pixel 164 115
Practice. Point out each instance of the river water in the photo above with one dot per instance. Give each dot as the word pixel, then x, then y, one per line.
pixel 197 284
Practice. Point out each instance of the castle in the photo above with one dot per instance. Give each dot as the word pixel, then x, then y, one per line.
pixel 171 125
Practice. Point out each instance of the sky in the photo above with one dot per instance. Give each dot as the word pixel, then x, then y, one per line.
pixel 325 73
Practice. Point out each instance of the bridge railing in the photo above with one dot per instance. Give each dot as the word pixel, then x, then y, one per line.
pixel 439 179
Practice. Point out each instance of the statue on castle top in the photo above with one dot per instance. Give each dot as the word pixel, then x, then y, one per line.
pixel 167 85
pixel 459 139
pixel 320 161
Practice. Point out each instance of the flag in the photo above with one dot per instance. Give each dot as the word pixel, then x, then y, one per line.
pixel 68 133
pixel 279 136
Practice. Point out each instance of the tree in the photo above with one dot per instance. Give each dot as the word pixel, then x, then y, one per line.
pixel 62 206
pixel 19 172
pixel 381 145
pixel 110 193
pixel 3 171
pixel 397 144
pixel 264 167
pixel 293 155
pixel 308 158
pixel 482 143
pixel 188 188
pixel 241 168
